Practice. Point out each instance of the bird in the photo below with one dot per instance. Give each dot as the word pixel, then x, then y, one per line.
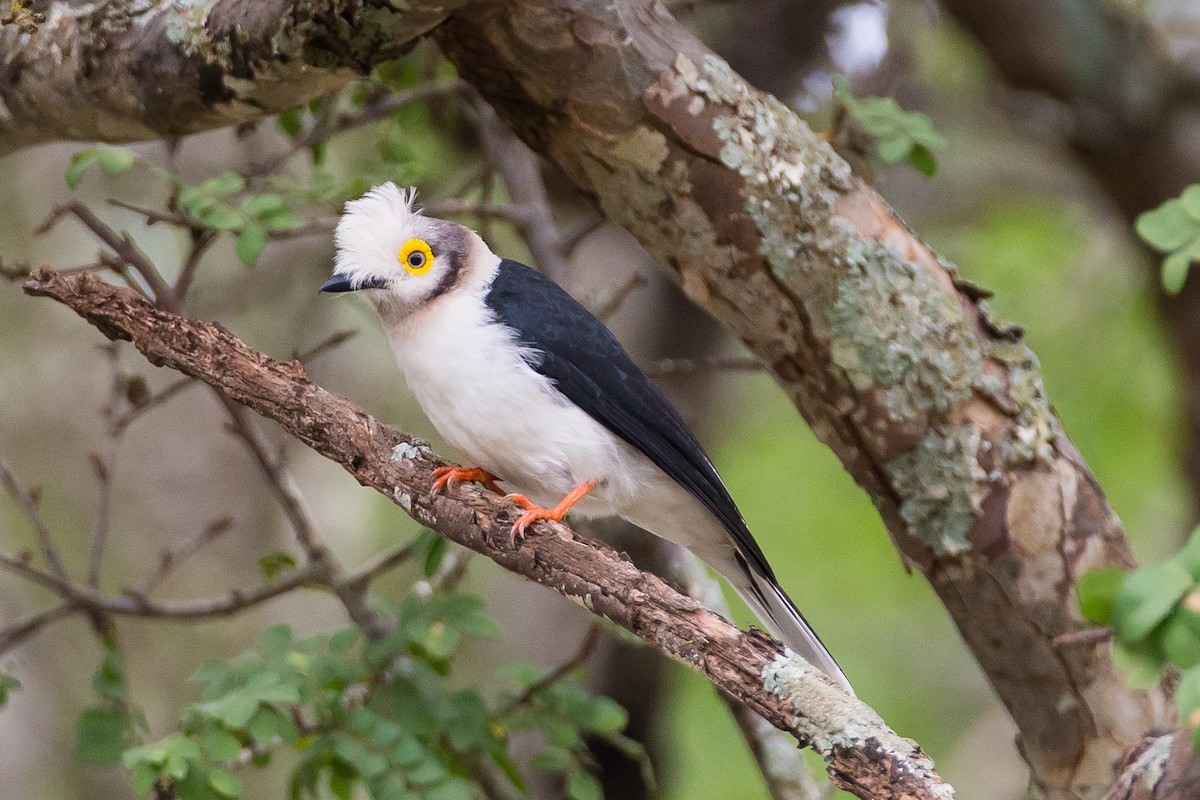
pixel 538 395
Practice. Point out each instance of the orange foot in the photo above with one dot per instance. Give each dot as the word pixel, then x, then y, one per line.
pixel 534 512
pixel 445 477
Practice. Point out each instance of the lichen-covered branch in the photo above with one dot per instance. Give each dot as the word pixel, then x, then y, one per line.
pixel 864 755
pixel 934 407
pixel 123 71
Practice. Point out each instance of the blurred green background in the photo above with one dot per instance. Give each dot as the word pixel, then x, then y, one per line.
pixel 1009 206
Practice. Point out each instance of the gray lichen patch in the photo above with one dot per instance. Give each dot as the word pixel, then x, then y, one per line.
pixel 895 327
pixel 941 485
pixel 831 720
pixel 1032 439
pixel 791 176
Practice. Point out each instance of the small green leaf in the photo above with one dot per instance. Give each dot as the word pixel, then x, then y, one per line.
pixel 1175 270
pixel 225 783
pixel 427 773
pixel 290 121
pixel 1191 200
pixel 1097 589
pixel 1167 227
pixel 265 203
pixel 552 759
pixel 250 244
pixel 79 165
pixel 437 551
pixel 224 185
pixel 1181 637
pixel 101 736
pixel 922 160
pixel 114 160
pixel 583 785
pixel 275 640
pixel 143 777
pixel 1187 698
pixel 274 563
pixel 218 743
pixel 453 789
pixel 220 216
pixel 235 710
pixel 341 642
pixel 1146 597
pixel 607 716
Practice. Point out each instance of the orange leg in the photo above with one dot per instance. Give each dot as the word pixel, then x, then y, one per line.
pixel 534 512
pixel 445 477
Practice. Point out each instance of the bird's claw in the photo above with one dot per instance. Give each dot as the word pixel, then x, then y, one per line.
pixel 444 478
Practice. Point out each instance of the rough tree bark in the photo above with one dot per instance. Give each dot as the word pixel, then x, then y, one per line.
pixel 936 409
pixel 865 757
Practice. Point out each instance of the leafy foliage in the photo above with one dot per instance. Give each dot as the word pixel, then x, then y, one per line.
pixel 1154 612
pixel 899 135
pixel 1174 229
pixel 363 715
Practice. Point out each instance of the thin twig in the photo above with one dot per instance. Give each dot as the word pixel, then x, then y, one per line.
pixel 606 307
pixel 169 560
pixel 125 420
pixel 19 631
pixel 365 575
pixel 29 505
pixel 563 670
pixel 332 342
pixel 685 366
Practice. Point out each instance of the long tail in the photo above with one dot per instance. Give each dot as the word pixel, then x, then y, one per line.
pixel 777 611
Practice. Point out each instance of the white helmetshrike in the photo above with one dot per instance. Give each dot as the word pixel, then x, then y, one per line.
pixel 537 394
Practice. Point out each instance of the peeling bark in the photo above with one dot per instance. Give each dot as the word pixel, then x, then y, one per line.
pixel 864 756
pixel 124 72
pixel 936 409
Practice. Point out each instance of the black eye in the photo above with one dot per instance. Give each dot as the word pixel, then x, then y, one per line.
pixel 416 259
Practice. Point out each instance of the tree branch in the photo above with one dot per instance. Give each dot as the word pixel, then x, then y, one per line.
pixel 121 71
pixel 863 754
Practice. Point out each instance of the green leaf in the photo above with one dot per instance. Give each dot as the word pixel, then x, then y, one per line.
pixel 109 680
pixel 1146 597
pixel 8 683
pixel 274 563
pixel 224 185
pixel 427 773
pixel 78 165
pixel 235 710
pixel 114 160
pixel 1097 589
pixel 922 160
pixel 290 121
pixel 1189 556
pixel 1140 664
pixel 225 783
pixel 552 759
pixel 1167 227
pixel 437 551
pixel 408 752
pixel 453 789
pixel 265 203
pixel 1191 200
pixel 101 736
pixel 143 777
pixel 218 743
pixel 583 785
pixel 607 716
pixel 1180 636
pixel 220 216
pixel 250 244
pixel 275 640
pixel 1175 269
pixel 342 641
pixel 1187 698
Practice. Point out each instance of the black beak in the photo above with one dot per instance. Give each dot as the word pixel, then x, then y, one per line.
pixel 338 283
pixel 341 283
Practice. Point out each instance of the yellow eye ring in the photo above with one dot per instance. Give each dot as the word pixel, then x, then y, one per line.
pixel 416 257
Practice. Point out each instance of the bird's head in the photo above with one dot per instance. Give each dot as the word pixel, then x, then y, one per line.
pixel 404 259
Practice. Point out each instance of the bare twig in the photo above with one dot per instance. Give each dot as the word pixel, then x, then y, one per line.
pixel 332 342
pixel 685 366
pixel 168 560
pixel 521 170
pixel 14 634
pixel 29 505
pixel 129 417
pixel 558 673
pixel 605 307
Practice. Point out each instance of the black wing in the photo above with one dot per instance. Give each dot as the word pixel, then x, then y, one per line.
pixel 588 365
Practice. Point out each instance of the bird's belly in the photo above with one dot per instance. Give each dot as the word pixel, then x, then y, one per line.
pixel 509 419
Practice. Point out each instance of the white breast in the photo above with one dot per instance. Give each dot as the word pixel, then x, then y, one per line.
pixel 468 373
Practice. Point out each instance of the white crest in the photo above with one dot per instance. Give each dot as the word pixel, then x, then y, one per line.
pixel 372 230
